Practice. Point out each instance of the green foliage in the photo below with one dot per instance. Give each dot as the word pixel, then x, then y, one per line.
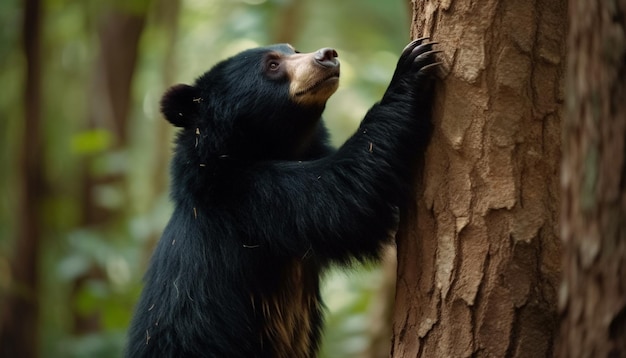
pixel 91 142
pixel 109 259
pixel 350 299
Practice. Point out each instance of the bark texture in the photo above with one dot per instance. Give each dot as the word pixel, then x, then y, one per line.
pixel 593 295
pixel 479 256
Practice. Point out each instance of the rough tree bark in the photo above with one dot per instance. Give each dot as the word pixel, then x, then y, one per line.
pixel 593 295
pixel 19 325
pixel 479 255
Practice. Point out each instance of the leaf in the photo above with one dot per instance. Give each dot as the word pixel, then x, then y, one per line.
pixel 91 142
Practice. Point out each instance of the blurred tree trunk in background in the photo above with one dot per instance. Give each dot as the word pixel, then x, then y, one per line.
pixel 119 32
pixel 379 320
pixel 593 296
pixel 288 22
pixel 19 328
pixel 479 256
pixel 168 12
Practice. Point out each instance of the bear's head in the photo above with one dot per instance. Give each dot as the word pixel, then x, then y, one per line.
pixel 264 103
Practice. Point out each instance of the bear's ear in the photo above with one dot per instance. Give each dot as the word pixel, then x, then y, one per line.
pixel 180 105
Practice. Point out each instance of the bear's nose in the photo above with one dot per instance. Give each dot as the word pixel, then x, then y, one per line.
pixel 326 57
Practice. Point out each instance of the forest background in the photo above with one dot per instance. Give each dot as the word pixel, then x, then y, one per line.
pixel 85 151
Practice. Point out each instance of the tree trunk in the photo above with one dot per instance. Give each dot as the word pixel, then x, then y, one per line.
pixel 479 254
pixel 593 295
pixel 168 16
pixel 19 327
pixel 119 34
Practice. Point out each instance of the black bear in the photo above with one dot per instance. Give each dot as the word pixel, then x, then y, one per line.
pixel 262 203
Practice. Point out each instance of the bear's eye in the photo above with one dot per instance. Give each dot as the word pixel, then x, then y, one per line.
pixel 273 65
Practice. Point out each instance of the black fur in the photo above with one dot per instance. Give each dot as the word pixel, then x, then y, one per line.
pixel 263 205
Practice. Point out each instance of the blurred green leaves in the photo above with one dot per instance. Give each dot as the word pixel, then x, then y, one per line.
pixel 91 142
